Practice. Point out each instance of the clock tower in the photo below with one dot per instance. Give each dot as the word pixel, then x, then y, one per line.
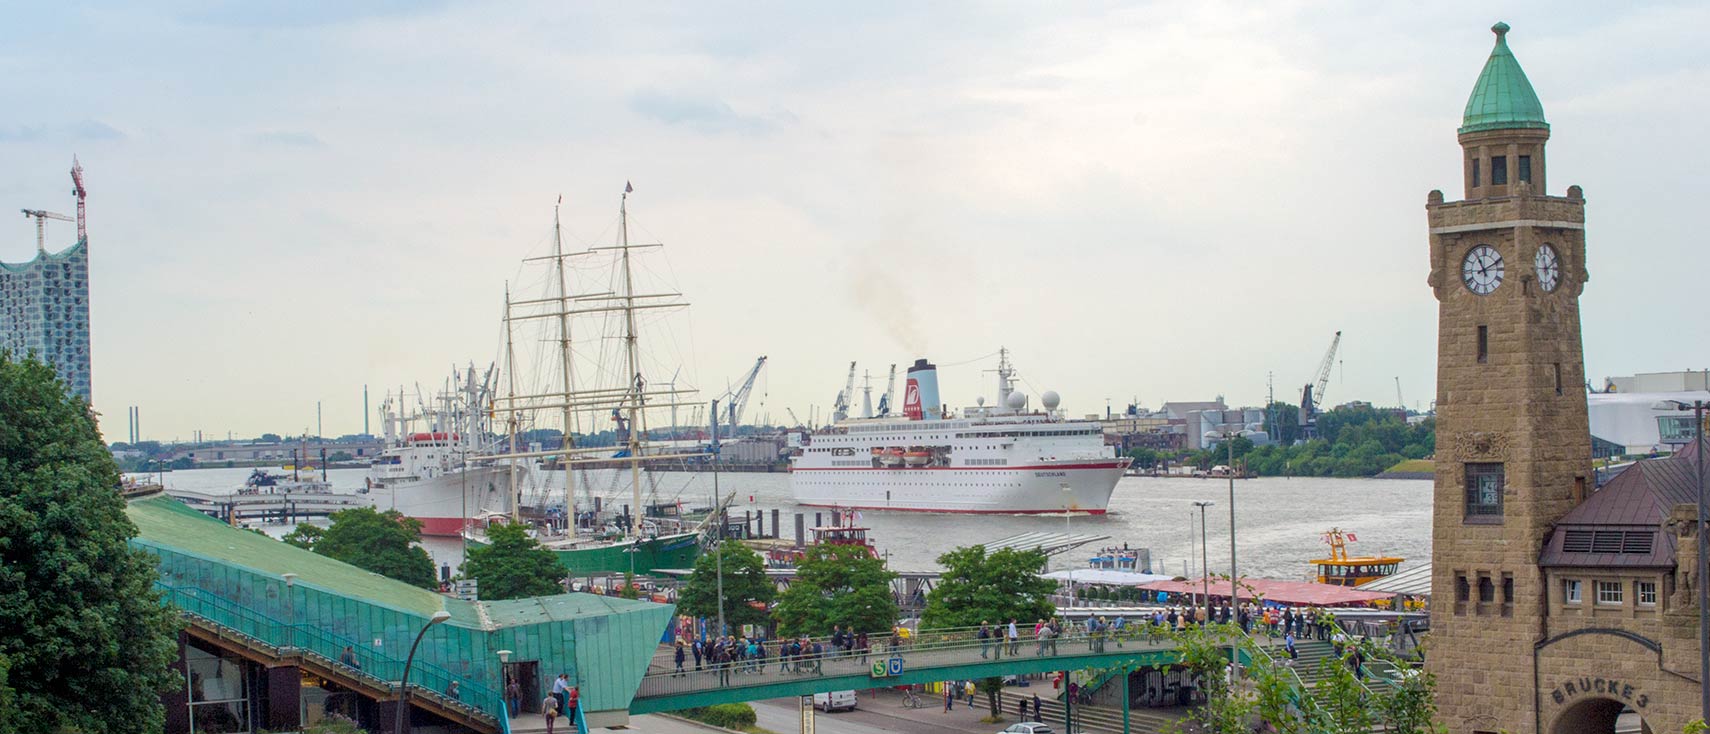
pixel 1513 444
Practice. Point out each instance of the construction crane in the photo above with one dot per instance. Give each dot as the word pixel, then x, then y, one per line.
pixel 1398 401
pixel 739 397
pixel 1311 398
pixel 840 408
pixel 890 389
pixel 41 220
pixel 77 191
pixel 793 418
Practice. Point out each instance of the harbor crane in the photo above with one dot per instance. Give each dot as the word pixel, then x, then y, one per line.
pixel 739 396
pixel 890 390
pixel 1312 395
pixel 42 216
pixel 793 418
pixel 840 408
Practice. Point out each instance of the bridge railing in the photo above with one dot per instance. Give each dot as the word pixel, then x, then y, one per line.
pixel 931 648
pixel 286 638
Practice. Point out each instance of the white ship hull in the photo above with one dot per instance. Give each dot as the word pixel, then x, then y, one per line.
pixel 1003 490
pixel 441 502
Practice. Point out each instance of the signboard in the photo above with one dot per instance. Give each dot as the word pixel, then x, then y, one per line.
pixel 887 668
pixel 878 669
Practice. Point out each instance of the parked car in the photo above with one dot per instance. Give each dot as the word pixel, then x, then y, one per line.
pixel 1027 727
pixel 835 701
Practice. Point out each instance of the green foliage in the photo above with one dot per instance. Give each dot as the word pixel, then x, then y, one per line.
pixel 1353 442
pixel 333 724
pixel 85 643
pixel 1205 652
pixel 995 587
pixel 629 591
pixel 304 536
pixel 382 542
pixel 837 585
pixel 738 716
pixel 341 456
pixel 745 584
pixel 1696 726
pixel 512 565
pixel 1341 704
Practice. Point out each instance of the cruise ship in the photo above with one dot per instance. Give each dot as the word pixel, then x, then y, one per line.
pixel 999 459
pixel 439 476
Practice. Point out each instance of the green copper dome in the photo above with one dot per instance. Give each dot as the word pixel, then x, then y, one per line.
pixel 1502 99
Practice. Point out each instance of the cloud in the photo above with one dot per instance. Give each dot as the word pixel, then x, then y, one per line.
pixel 287 139
pixel 82 130
pixel 706 114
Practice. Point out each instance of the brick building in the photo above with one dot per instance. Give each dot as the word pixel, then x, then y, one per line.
pixel 1556 609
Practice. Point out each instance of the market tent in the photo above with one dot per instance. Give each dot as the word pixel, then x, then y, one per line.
pixel 1287 593
pixel 1106 577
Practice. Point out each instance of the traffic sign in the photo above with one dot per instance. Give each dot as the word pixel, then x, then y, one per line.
pixel 878 669
pixel 894 666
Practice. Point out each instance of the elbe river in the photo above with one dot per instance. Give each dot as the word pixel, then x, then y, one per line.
pixel 1279 521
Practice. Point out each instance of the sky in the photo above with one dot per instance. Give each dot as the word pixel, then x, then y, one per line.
pixel 1165 201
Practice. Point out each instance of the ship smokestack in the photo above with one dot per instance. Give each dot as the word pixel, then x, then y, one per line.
pixel 920 399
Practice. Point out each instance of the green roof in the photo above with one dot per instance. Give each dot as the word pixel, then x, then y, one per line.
pixel 1502 99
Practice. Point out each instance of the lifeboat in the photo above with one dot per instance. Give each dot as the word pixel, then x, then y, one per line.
pixel 891 457
pixel 917 457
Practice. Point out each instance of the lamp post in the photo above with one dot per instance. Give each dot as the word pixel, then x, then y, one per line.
pixel 1697 407
pixel 1228 438
pixel 1068 497
pixel 404 680
pixel 505 684
pixel 290 610
pixel 1205 570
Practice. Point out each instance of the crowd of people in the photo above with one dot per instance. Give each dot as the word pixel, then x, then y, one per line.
pixel 732 654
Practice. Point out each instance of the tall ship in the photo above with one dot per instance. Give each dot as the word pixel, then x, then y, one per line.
pixel 595 505
pixel 989 459
pixel 435 467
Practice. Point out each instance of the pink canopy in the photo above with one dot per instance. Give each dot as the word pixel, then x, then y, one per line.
pixel 1288 593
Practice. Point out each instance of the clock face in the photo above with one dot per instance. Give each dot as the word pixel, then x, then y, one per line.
pixel 1548 267
pixel 1482 270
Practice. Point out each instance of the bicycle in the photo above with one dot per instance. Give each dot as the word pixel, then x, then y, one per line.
pixel 910 701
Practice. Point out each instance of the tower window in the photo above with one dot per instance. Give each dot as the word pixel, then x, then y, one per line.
pixel 1483 343
pixel 1609 593
pixel 1484 490
pixel 1507 595
pixel 1498 170
pixel 1475 172
pixel 1525 168
pixel 1647 593
pixel 1486 590
pixel 1558 378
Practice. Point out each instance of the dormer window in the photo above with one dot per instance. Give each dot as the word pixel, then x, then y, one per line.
pixel 1498 170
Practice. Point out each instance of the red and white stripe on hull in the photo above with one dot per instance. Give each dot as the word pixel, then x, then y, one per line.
pixel 957 512
pixel 1032 489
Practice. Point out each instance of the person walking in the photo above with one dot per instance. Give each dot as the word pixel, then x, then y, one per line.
pixel 985 635
pixel 949 696
pixel 1014 639
pixel 513 697
pixel 1036 712
pixel 1288 647
pixel 1021 708
pixel 971 690
pixel 678 656
pixel 549 710
pixel 348 657
pixel 570 710
pixel 695 646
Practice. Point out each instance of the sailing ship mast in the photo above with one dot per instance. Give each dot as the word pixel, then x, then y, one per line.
pixel 511 420
pixel 632 368
pixel 565 441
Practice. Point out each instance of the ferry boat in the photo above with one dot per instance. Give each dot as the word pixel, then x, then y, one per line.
pixel 1341 569
pixel 1003 459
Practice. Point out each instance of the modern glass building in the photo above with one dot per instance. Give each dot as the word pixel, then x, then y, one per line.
pixel 44 310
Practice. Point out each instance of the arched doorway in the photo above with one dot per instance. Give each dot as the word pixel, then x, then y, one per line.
pixel 1599 716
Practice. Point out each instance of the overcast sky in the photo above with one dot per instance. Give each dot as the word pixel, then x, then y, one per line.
pixel 1166 201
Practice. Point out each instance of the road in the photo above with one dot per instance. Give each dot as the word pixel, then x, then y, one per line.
pixel 882 712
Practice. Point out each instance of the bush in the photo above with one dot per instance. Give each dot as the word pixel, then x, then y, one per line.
pixel 737 716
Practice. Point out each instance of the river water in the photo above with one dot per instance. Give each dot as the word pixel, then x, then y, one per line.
pixel 1279 521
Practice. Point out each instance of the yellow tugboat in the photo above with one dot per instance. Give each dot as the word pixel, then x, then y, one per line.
pixel 1340 569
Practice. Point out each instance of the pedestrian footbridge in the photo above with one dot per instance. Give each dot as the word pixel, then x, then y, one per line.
pixel 933 656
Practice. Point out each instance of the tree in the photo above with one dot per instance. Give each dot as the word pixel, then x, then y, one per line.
pixel 513 565
pixel 382 542
pixel 85 642
pixel 270 438
pixel 747 591
pixel 979 587
pixel 304 536
pixel 837 585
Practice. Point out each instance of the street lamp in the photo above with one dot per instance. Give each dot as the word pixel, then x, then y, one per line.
pixel 1204 570
pixel 1068 501
pixel 290 610
pixel 1697 407
pixel 1228 438
pixel 404 681
pixel 504 684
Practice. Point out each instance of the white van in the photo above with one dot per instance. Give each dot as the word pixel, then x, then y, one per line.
pixel 834 701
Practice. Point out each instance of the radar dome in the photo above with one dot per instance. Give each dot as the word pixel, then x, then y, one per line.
pixel 1017 400
pixel 980 401
pixel 1050 399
